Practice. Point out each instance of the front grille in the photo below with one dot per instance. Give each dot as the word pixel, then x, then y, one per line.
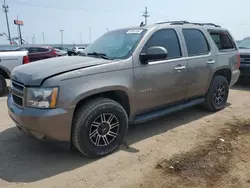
pixel 245 59
pixel 17 92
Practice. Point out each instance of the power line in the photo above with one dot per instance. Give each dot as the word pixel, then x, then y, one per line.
pixel 56 7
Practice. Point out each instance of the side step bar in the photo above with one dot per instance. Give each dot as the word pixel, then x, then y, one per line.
pixel 165 111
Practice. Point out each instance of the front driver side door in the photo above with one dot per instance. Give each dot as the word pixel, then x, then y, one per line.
pixel 162 82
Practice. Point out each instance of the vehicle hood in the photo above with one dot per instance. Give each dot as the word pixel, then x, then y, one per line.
pixel 244 51
pixel 35 72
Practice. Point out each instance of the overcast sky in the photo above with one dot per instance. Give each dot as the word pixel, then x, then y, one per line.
pixel 76 16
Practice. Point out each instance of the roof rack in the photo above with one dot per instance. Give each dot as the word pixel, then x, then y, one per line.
pixel 186 22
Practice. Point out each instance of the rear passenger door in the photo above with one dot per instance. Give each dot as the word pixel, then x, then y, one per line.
pixel 200 61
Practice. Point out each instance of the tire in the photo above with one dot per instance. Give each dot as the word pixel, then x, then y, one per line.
pixel 88 133
pixel 217 95
pixel 3 86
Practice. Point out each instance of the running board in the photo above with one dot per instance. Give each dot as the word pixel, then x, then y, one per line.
pixel 165 111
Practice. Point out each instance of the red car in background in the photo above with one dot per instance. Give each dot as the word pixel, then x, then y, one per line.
pixel 39 52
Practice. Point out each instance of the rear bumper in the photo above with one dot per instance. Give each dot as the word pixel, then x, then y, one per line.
pixel 235 77
pixel 52 124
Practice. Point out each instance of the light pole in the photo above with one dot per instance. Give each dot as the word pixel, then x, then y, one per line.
pixel 43 38
pixel 61 37
pixel 90 35
pixel 6 10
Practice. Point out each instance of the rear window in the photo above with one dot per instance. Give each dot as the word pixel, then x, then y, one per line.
pixel 222 40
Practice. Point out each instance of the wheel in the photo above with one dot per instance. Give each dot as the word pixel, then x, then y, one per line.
pixel 99 127
pixel 217 94
pixel 3 86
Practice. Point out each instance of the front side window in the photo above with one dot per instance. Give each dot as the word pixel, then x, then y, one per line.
pixel 196 42
pixel 168 39
pixel 117 44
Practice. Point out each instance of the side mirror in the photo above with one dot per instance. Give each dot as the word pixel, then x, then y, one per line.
pixel 154 53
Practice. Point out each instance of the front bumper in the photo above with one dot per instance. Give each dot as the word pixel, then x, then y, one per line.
pixel 53 124
pixel 245 71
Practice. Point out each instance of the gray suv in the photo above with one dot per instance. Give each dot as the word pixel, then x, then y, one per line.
pixel 129 75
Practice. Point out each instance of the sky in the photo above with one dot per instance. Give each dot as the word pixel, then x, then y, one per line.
pixel 79 18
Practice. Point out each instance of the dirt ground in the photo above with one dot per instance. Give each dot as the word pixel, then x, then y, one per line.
pixel 191 148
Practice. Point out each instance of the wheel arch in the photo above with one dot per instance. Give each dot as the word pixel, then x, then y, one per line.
pixel 117 95
pixel 4 72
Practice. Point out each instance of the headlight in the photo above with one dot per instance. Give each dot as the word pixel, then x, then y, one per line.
pixel 42 97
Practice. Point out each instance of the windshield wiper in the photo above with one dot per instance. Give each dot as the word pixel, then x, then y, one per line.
pixel 101 55
pixel 244 47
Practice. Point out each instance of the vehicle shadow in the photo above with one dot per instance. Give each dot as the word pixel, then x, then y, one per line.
pixel 241 86
pixel 24 159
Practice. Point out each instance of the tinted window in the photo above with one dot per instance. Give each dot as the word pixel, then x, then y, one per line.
pixel 168 39
pixel 196 42
pixel 42 50
pixel 32 50
pixel 222 40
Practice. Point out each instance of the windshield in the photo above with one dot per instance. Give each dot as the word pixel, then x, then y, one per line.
pixel 245 43
pixel 117 44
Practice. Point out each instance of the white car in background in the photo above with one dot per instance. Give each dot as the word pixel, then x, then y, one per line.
pixel 61 52
pixel 78 49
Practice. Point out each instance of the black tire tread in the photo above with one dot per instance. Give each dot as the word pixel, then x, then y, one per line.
pixel 207 103
pixel 3 82
pixel 86 110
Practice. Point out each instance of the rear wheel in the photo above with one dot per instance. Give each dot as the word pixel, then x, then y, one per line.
pixel 3 86
pixel 99 127
pixel 217 95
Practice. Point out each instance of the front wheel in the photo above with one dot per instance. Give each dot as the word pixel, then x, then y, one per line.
pixel 217 95
pixel 99 127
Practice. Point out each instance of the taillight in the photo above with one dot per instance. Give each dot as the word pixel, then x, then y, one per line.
pixel 238 59
pixel 54 52
pixel 26 59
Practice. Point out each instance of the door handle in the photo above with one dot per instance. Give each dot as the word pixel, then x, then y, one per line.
pixel 179 67
pixel 211 62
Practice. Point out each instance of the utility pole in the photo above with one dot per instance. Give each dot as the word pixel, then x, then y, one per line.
pixel 43 38
pixel 146 15
pixel 61 37
pixel 6 10
pixel 34 39
pixel 81 37
pixel 89 35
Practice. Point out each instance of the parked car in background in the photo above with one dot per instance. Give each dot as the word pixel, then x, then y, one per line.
pixel 244 50
pixel 132 75
pixel 8 61
pixel 78 49
pixel 39 52
pixel 61 52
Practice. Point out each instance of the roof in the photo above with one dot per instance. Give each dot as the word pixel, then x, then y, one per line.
pixel 180 24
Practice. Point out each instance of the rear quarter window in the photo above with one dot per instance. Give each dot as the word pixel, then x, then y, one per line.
pixel 222 40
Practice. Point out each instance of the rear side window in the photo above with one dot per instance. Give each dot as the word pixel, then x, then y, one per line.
pixel 42 50
pixel 222 40
pixel 168 39
pixel 196 42
pixel 32 50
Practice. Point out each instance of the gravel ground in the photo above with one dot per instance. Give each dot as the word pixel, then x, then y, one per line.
pixel 26 162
